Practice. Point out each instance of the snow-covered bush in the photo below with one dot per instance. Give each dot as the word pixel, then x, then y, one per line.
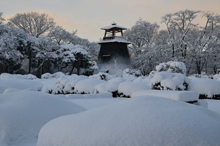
pixel 64 84
pixel 101 76
pixel 134 72
pixel 172 66
pixel 169 81
pixel 216 77
pixel 108 87
pixel 207 88
pixel 87 86
pixel 46 76
pixel 125 89
pixel 30 77
pixel 51 76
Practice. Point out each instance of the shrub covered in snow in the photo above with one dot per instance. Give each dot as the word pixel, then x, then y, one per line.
pixel 141 121
pixel 101 76
pixel 216 77
pixel 51 76
pixel 87 86
pixel 107 87
pixel 169 81
pixel 125 89
pixel 128 72
pixel 172 66
pixel 207 88
pixel 30 77
pixel 64 85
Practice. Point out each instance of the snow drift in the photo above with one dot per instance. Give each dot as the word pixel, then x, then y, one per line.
pixel 135 122
pixel 22 114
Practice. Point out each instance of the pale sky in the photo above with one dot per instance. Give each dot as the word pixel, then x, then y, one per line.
pixel 88 16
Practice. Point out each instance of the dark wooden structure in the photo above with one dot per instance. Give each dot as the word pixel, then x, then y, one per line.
pixel 113 53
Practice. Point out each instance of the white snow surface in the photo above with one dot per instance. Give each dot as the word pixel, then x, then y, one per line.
pixel 87 86
pixel 175 95
pixel 135 122
pixel 208 87
pixel 127 88
pixel 22 84
pixel 22 114
pixel 118 39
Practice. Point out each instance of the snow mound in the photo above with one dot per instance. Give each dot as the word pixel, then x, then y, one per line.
pixel 169 81
pixel 207 87
pixel 22 84
pixel 137 121
pixel 87 86
pixel 106 87
pixel 22 114
pixel 127 88
pixel 175 95
pixel 6 76
pixel 216 77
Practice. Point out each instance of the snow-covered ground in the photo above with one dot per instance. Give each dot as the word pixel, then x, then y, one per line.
pixel 26 106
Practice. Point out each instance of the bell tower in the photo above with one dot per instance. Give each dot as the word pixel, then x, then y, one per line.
pixel 113 53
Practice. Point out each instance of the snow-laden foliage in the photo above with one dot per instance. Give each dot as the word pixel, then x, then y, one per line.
pixel 10 57
pixel 172 66
pixel 76 56
pixel 169 81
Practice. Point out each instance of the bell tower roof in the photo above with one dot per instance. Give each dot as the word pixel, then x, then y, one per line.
pixel 113 26
pixel 113 33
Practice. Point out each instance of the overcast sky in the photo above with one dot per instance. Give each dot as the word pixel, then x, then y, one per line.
pixel 88 16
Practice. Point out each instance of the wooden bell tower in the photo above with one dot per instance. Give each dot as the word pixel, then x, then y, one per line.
pixel 113 53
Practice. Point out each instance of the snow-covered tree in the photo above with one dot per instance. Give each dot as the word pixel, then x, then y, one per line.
pixel 60 35
pixel 45 51
pixel 33 23
pixel 190 42
pixel 10 57
pixel 142 34
pixel 76 56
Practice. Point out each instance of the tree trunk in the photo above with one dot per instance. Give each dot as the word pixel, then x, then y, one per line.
pixel 71 70
pixel 78 69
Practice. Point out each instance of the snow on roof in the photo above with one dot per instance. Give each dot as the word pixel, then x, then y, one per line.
pixel 115 39
pixel 114 25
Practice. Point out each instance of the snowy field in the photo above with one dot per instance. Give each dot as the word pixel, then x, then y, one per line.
pixel 41 112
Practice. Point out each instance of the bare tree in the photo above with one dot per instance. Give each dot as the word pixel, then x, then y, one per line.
pixel 33 23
